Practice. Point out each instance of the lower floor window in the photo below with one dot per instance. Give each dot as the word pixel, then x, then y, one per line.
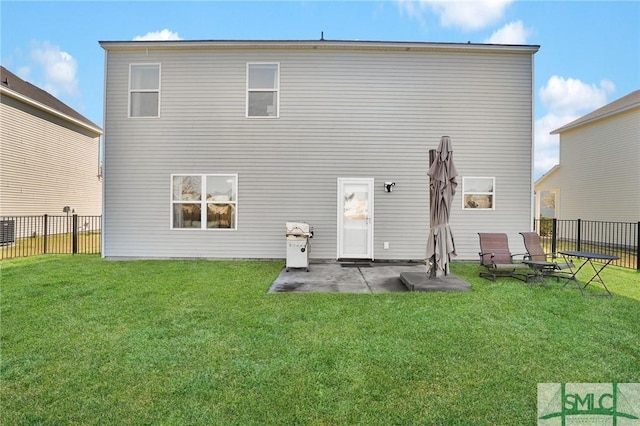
pixel 478 193
pixel 204 201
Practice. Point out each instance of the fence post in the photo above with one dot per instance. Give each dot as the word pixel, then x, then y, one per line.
pixel 74 237
pixel 638 247
pixel 46 232
pixel 579 234
pixel 554 236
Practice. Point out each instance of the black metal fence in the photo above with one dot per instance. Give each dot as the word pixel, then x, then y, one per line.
pixel 621 239
pixel 29 235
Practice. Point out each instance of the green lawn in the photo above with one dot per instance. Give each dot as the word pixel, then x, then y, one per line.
pixel 86 341
pixel 88 242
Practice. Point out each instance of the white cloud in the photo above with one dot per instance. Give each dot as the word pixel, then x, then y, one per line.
pixel 471 15
pixel 565 100
pixel 158 35
pixel 546 145
pixel 562 95
pixel 414 9
pixel 58 69
pixel 464 15
pixel 512 33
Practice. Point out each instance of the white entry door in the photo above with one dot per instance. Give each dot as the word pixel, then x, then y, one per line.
pixel 355 218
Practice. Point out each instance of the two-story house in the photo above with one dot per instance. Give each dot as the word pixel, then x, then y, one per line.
pixel 598 177
pixel 212 146
pixel 49 153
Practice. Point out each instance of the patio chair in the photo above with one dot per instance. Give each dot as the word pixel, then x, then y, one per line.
pixel 544 262
pixel 498 259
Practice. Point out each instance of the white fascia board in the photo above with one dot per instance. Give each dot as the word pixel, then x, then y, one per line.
pixel 317 44
pixel 579 123
pixel 552 171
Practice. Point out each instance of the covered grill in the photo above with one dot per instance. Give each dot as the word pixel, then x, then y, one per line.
pixel 298 246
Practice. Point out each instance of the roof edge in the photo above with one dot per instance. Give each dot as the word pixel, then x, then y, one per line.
pixel 585 119
pixel 318 44
pixel 48 109
pixel 600 117
pixel 547 175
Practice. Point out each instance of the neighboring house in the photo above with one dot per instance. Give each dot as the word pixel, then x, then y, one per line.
pixel 547 200
pixel 598 177
pixel 48 154
pixel 212 146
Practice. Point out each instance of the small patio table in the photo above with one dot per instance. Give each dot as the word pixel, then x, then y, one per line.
pixel 589 257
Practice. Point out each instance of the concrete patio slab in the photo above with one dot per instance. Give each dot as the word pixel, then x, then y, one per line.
pixel 421 282
pixel 386 278
pixel 366 278
pixel 321 278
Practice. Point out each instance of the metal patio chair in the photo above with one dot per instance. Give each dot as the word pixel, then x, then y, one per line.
pixel 545 263
pixel 498 259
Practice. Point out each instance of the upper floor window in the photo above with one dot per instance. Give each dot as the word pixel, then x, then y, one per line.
pixel 478 193
pixel 144 90
pixel 263 89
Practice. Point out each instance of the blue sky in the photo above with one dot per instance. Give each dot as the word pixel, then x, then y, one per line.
pixel 589 55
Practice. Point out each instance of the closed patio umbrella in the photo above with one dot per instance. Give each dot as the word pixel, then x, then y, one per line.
pixel 442 184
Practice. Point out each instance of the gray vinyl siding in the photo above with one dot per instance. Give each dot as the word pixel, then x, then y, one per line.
pixel 343 113
pixel 46 163
pixel 601 169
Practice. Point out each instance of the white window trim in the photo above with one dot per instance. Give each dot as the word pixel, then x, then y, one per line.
pixel 203 202
pixel 159 90
pixel 277 90
pixel 465 193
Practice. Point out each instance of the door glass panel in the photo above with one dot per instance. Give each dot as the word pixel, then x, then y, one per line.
pixel 355 232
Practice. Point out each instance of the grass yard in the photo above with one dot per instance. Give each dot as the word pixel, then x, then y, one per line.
pixel 88 242
pixel 86 341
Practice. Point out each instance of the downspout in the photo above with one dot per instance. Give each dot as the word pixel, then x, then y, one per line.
pixel 101 152
pixel 533 143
